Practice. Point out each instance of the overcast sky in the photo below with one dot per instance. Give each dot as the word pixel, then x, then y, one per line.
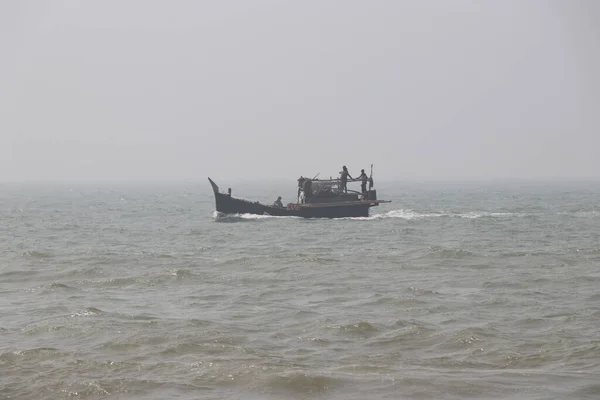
pixel 181 90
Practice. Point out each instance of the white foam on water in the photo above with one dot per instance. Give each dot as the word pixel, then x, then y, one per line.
pixel 232 217
pixel 406 214
pixel 411 215
pixel 482 214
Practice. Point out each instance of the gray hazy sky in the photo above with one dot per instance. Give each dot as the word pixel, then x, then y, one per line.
pixel 181 90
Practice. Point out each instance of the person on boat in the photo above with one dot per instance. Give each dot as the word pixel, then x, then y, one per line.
pixel 363 181
pixel 278 203
pixel 300 184
pixel 344 179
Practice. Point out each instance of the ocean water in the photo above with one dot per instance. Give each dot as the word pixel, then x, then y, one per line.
pixel 454 290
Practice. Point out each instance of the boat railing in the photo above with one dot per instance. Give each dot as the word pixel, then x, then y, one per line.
pixel 332 180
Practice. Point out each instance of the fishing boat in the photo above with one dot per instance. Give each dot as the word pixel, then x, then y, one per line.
pixel 317 198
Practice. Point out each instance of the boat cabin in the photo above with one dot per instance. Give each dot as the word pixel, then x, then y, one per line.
pixel 329 191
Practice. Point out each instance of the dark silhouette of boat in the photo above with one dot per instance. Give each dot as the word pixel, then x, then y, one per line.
pixel 317 198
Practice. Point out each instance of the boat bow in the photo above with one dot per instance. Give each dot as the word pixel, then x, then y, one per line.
pixel 215 188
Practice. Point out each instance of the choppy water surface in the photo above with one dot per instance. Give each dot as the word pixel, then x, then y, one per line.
pixel 452 291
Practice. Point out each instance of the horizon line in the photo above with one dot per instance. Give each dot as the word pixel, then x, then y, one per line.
pixel 281 180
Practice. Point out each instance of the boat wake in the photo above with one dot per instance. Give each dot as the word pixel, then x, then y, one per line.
pixel 392 214
pixel 412 215
pixel 220 217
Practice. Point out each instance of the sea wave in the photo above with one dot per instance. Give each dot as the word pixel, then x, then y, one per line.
pixel 445 252
pixel 301 383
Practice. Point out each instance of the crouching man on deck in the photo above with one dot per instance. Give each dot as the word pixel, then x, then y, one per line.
pixel 278 203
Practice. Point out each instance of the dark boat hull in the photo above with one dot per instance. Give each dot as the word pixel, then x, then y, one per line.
pixel 230 205
pixel 227 204
pixel 346 211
